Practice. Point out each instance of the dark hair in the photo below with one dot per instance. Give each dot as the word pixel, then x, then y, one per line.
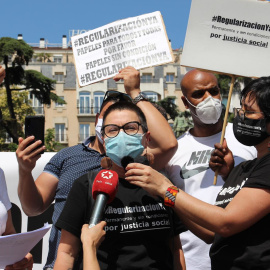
pixel 259 90
pixel 124 105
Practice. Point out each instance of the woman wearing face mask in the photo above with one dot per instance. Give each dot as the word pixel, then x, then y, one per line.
pixel 141 233
pixel 238 224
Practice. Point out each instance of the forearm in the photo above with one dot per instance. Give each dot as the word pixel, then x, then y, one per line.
pixel 206 235
pixel 200 214
pixel 163 143
pixel 64 261
pixel 90 261
pixel 29 195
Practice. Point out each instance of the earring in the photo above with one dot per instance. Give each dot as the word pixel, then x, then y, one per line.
pixel 106 163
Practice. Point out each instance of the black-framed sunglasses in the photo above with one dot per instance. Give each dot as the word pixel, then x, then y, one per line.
pixel 115 95
pixel 244 114
pixel 130 128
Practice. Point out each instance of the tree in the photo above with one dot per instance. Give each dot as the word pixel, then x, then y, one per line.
pixel 15 54
pixel 21 108
pixel 50 143
pixel 169 106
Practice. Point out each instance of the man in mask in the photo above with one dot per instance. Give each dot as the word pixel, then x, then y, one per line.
pixel 70 163
pixel 189 167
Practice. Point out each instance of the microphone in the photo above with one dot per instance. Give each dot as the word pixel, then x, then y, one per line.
pixel 103 191
pixel 140 159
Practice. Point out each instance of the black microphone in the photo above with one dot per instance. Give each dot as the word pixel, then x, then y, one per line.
pixel 140 159
pixel 103 191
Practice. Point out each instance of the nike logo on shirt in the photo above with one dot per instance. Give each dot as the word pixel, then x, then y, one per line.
pixel 196 158
pixel 186 173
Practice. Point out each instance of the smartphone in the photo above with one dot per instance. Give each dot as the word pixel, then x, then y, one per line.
pixel 34 125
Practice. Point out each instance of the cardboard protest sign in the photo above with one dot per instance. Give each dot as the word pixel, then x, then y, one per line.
pixel 139 42
pixel 229 36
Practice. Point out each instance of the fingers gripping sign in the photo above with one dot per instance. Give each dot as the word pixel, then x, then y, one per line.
pixel 222 159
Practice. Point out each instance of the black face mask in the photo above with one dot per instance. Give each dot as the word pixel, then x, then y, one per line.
pixel 249 132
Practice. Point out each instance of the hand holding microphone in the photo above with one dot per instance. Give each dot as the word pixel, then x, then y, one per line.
pixel 103 191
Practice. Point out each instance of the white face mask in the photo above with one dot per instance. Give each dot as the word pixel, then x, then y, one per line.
pixel 208 111
pixel 98 130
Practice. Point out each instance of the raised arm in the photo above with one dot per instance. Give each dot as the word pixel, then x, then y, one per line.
pixel 163 143
pixel 247 207
pixel 35 196
pixel 91 239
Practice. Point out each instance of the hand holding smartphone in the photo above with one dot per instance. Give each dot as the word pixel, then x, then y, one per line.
pixel 34 125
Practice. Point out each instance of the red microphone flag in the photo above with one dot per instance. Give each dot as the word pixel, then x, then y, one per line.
pixel 106 182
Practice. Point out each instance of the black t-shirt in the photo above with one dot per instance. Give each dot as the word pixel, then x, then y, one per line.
pixel 138 232
pixel 249 249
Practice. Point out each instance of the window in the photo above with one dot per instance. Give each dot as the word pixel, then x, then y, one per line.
pixel 59 76
pixel 60 133
pixel 151 95
pixel 36 104
pixel 98 99
pixel 84 131
pixel 84 101
pixel 146 78
pixel 170 77
pixel 58 104
pixel 57 59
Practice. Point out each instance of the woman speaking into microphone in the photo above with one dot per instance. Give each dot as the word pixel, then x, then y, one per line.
pixel 141 233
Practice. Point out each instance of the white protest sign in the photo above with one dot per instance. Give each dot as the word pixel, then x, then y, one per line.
pixel 229 36
pixel 139 42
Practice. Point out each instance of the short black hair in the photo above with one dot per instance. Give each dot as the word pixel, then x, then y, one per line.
pixel 259 90
pixel 124 105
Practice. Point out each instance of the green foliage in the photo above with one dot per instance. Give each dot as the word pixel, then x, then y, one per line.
pixel 22 108
pixel 41 85
pixel 14 54
pixel 20 51
pixel 50 143
pixel 169 106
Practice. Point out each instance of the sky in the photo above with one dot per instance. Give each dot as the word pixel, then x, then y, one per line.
pixel 51 19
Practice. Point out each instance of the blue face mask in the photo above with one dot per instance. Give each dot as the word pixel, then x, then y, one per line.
pixel 123 145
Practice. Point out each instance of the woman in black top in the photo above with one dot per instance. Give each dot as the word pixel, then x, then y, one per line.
pixel 238 225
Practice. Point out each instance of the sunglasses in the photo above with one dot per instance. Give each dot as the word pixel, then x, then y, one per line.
pixel 115 95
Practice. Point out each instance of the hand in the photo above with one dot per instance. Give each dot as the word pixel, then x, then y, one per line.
pixel 93 236
pixel 2 73
pixel 222 159
pixel 28 155
pixel 131 78
pixel 25 263
pixel 147 178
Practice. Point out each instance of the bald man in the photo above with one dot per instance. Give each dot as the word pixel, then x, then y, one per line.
pixel 189 167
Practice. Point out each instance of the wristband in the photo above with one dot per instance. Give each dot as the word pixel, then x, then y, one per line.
pixel 170 196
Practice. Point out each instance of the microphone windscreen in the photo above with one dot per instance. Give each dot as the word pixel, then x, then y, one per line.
pixel 106 182
pixel 142 160
pixel 126 160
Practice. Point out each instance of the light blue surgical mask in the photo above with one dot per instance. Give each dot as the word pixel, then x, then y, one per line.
pixel 123 145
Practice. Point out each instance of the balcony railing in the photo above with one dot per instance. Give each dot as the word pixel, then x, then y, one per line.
pixel 88 110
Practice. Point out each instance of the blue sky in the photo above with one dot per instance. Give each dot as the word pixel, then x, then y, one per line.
pixel 51 19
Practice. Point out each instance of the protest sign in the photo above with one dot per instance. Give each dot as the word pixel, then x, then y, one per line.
pixel 139 42
pixel 229 36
